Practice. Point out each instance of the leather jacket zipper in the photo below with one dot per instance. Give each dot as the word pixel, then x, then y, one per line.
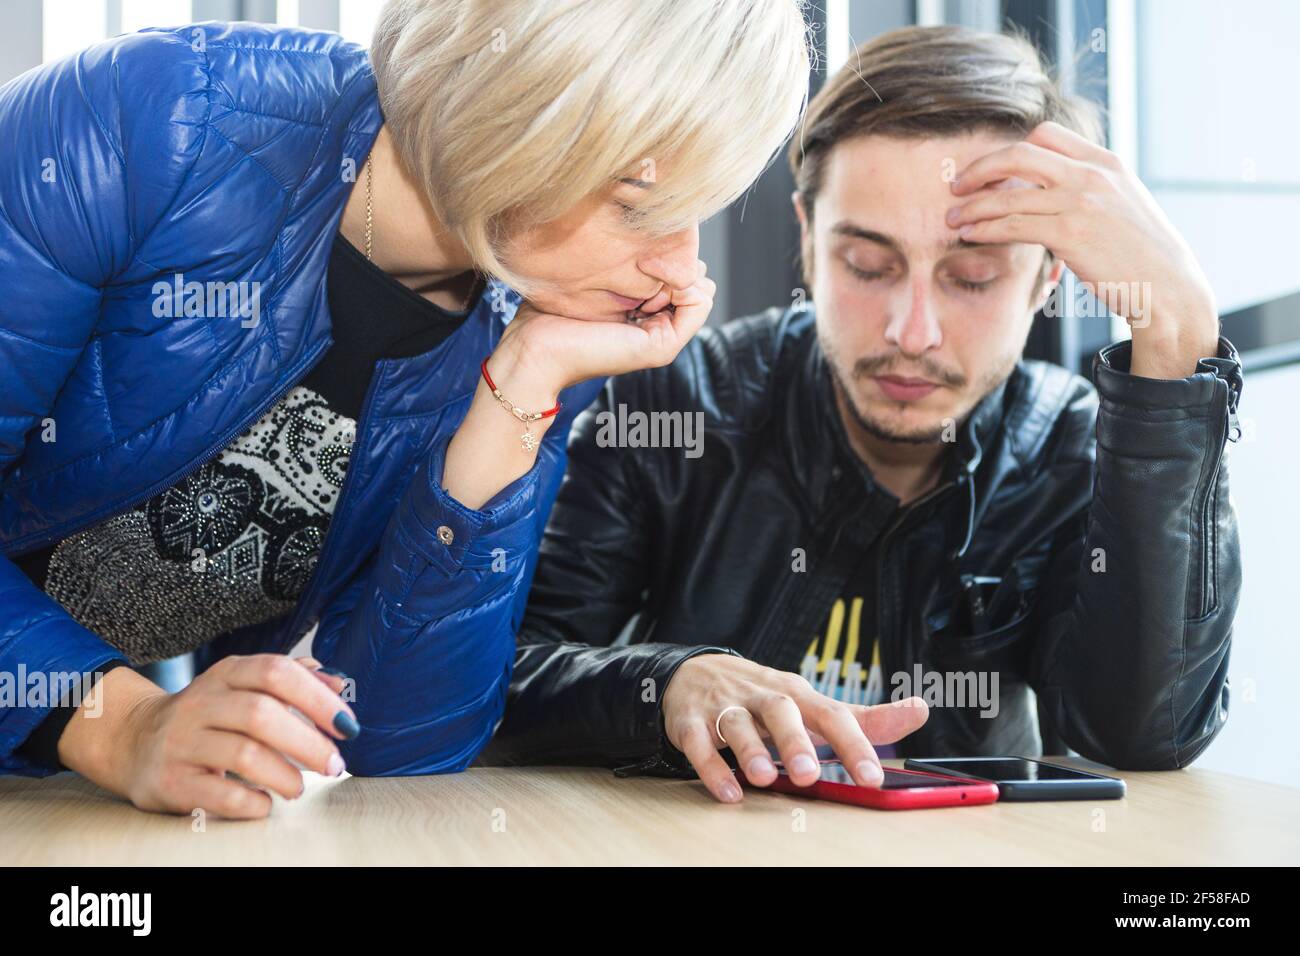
pixel 779 623
pixel 887 652
pixel 1208 530
pixel 1227 370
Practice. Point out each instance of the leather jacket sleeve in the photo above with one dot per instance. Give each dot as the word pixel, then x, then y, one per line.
pixel 1136 617
pixel 576 698
pixel 1129 663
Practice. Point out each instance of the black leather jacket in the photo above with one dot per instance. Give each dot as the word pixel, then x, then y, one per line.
pixel 1107 522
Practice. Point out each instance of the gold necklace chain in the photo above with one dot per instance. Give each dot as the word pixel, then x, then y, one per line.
pixel 370 220
pixel 370 209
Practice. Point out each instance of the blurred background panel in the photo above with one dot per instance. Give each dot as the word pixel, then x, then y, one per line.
pixel 1199 98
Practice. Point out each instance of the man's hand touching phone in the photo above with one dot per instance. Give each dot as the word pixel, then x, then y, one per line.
pixel 751 704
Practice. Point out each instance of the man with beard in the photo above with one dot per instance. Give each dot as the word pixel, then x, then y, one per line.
pixel 889 503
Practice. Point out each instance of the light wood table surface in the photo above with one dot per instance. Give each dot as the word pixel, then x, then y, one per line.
pixel 582 816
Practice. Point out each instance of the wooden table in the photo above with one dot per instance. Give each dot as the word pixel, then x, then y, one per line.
pixel 580 816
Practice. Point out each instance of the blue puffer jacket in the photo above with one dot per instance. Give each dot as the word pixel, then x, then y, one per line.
pixel 226 153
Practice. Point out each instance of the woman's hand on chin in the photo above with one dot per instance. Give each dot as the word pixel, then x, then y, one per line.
pixel 556 351
pixel 539 355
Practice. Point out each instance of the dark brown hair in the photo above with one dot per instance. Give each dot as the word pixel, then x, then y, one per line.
pixel 933 81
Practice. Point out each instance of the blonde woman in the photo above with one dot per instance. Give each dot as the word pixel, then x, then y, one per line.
pixel 266 366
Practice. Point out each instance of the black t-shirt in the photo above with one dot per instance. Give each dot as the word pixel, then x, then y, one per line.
pixel 233 543
pixel 843 660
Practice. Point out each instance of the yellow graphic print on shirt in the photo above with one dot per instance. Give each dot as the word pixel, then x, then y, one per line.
pixel 848 671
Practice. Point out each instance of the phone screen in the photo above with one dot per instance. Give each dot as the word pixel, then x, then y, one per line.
pixel 1010 770
pixel 833 772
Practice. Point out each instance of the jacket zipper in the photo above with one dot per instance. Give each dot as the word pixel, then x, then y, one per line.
pixel 779 623
pixel 304 366
pixel 1207 529
pixel 881 553
pixel 295 631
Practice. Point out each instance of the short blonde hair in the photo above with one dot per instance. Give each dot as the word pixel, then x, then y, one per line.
pixel 512 112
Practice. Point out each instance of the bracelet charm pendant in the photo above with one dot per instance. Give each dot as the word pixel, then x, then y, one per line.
pixel 527 441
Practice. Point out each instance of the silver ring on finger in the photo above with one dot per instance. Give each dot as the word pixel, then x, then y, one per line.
pixel 717 724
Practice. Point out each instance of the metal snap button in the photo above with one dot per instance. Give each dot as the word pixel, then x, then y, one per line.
pixel 445 535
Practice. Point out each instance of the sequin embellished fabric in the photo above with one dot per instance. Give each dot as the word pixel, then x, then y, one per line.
pixel 230 545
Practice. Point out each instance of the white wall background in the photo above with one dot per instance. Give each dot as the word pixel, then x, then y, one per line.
pixel 1218 140
pixel 1264 474
pixel 1219 145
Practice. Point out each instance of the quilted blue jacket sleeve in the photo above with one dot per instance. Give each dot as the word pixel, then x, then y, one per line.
pixel 69 221
pixel 427 630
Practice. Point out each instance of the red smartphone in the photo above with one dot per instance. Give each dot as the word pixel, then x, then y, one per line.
pixel 901 790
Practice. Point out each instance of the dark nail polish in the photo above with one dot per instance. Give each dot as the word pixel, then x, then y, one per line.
pixel 346 724
pixel 333 672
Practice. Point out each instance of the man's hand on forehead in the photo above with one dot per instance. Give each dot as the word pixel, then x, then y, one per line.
pixel 1059 190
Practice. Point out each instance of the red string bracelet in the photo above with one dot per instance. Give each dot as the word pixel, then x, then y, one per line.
pixel 527 440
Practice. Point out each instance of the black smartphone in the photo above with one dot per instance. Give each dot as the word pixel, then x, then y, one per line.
pixel 1020 778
